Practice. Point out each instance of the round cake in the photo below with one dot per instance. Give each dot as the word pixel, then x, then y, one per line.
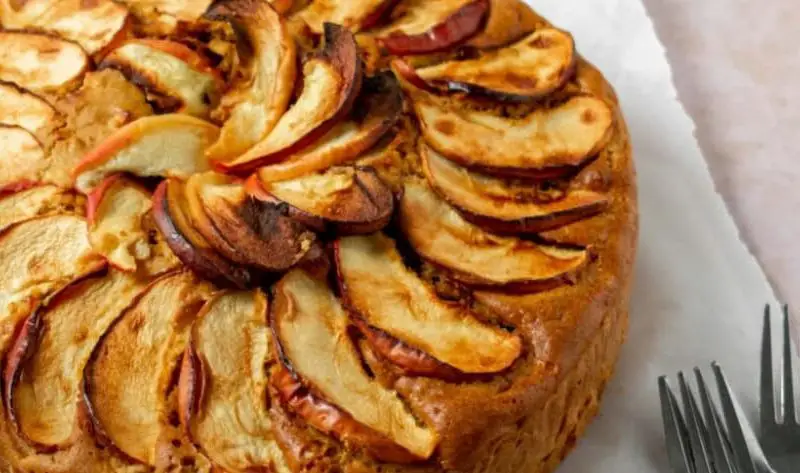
pixel 305 236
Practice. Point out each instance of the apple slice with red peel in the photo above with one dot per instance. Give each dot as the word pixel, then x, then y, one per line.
pixel 23 156
pixel 439 234
pixel 170 145
pixel 258 104
pixel 547 142
pixel 332 81
pixel 21 108
pixel 37 200
pixel 44 253
pixel 118 211
pixel 59 338
pixel 527 70
pixel 171 70
pixel 224 383
pixel 50 65
pixel 375 112
pixel 509 20
pixel 377 285
pixel 93 25
pixel 127 402
pixel 355 16
pixel 171 216
pixel 261 234
pixel 323 381
pixel 346 199
pixel 504 206
pixel 430 27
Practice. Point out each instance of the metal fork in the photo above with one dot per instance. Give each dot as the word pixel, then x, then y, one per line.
pixel 780 439
pixel 703 443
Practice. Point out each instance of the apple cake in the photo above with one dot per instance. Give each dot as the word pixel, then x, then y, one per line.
pixel 305 236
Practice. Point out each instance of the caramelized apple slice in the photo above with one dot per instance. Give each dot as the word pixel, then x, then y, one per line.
pixel 117 211
pixel 349 200
pixel 354 16
pixel 166 145
pixel 546 143
pixel 127 400
pixel 504 206
pixel 44 253
pixel 37 200
pixel 50 64
pixel 25 110
pixel 259 103
pixel 184 10
pixel 438 233
pixel 171 70
pixel 376 110
pixel 331 83
pixel 429 27
pixel 60 340
pixel 225 378
pixel 324 382
pixel 171 217
pixel 93 25
pixel 376 284
pixel 509 20
pixel 23 160
pixel 254 233
pixel 531 68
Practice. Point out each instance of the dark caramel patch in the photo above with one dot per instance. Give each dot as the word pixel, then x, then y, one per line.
pixel 540 42
pixel 588 116
pixel 444 126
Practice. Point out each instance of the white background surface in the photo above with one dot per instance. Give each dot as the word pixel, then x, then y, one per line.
pixel 698 293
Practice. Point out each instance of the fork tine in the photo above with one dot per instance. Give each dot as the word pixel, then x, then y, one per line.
pixel 767 396
pixel 697 429
pixel 719 443
pixel 787 400
pixel 674 429
pixel 736 433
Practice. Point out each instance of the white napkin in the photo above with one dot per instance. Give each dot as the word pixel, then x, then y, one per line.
pixel 699 293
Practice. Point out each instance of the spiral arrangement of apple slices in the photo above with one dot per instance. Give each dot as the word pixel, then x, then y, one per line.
pixel 173 210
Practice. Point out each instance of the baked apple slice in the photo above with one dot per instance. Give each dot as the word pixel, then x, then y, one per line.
pixel 355 16
pixel 118 210
pixel 223 383
pixel 171 217
pixel 174 76
pixel 26 110
pixel 547 142
pixel 375 112
pixel 183 10
pixel 504 206
pixel 45 253
pixel 37 200
pixel 323 381
pixel 529 69
pixel 377 285
pixel 50 64
pixel 93 25
pixel 346 199
pixel 429 27
pixel 509 20
pixel 439 234
pixel 24 159
pixel 170 145
pixel 251 232
pixel 258 104
pixel 127 401
pixel 331 83
pixel 59 338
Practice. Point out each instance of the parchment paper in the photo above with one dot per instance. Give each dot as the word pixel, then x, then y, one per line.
pixel 698 294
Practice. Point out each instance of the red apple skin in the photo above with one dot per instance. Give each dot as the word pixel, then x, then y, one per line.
pixel 18 186
pixel 341 49
pixel 533 225
pixel 328 418
pixel 379 14
pixel 25 339
pixel 192 382
pixel 455 30
pixel 203 261
pixel 411 361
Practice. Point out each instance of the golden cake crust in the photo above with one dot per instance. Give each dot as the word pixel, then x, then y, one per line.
pixel 522 418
